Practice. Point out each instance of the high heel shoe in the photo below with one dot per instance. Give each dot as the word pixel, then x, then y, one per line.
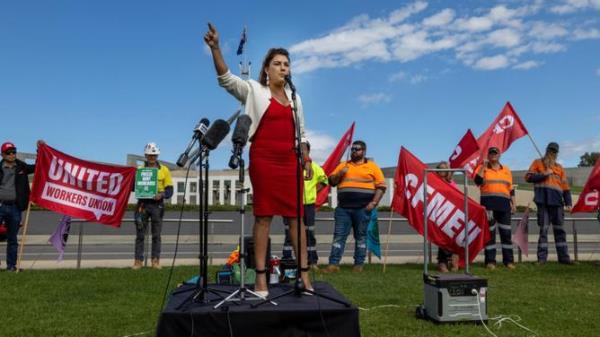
pixel 305 270
pixel 262 293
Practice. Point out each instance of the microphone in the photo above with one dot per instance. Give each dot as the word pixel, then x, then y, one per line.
pixel 199 131
pixel 215 134
pixel 288 80
pixel 239 139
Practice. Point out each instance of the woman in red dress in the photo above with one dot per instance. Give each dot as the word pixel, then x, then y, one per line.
pixel 273 163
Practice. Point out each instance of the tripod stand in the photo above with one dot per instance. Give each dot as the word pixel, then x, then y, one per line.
pixel 240 295
pixel 299 286
pixel 201 290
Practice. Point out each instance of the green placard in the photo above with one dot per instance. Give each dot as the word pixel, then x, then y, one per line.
pixel 146 183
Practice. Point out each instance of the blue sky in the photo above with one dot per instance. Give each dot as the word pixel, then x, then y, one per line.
pixel 99 79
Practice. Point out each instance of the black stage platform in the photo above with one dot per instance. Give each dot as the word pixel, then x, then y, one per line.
pixel 293 316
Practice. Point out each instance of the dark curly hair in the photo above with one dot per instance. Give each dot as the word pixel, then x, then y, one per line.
pixel 262 78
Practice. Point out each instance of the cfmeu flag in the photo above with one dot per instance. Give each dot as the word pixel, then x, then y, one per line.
pixel 589 199
pixel 60 236
pixel 506 128
pixel 466 148
pixel 333 161
pixel 447 226
pixel 240 49
pixel 81 189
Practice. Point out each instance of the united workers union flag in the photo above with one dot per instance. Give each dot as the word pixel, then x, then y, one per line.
pixel 446 223
pixel 79 188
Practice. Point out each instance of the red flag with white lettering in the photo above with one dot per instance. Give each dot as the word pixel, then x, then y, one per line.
pixel 333 160
pixel 79 188
pixel 466 148
pixel 589 199
pixel 506 128
pixel 445 209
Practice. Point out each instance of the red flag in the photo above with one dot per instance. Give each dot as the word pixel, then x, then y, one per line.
pixel 81 189
pixel 506 128
pixel 466 148
pixel 332 162
pixel 445 205
pixel 521 236
pixel 589 199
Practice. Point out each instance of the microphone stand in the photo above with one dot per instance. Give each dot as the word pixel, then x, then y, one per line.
pixel 299 286
pixel 240 295
pixel 202 290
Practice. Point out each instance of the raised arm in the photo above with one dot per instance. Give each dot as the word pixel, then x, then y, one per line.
pixel 212 40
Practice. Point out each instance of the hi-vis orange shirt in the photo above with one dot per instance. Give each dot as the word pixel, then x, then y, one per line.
pixel 496 187
pixel 550 190
pixel 357 187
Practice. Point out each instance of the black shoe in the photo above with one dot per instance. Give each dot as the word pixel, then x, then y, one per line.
pixel 11 268
pixel 567 262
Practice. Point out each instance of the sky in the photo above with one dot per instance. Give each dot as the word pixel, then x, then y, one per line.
pixel 100 79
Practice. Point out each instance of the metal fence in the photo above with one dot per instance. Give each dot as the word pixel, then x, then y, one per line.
pixel 573 222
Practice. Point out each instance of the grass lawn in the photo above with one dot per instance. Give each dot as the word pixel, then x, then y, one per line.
pixel 553 300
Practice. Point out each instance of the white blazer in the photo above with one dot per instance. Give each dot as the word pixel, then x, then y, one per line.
pixel 256 98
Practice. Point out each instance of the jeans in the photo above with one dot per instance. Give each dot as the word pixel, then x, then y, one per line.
pixel 356 219
pixel 552 215
pixel 500 220
pixel 11 215
pixel 311 244
pixel 153 213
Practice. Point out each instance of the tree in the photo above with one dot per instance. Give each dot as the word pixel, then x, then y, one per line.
pixel 588 159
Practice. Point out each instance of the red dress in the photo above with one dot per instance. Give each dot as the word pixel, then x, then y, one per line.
pixel 273 163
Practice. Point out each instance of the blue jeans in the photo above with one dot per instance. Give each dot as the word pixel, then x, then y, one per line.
pixel 11 215
pixel 356 219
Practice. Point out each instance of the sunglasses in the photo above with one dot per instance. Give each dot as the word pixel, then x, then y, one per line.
pixel 9 152
pixel 355 149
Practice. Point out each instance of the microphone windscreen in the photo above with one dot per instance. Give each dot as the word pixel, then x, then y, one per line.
pixel 242 127
pixel 215 134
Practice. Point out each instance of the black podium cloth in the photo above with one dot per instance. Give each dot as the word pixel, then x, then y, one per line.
pixel 293 316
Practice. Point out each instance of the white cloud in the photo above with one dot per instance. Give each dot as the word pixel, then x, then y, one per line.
pixel 574 149
pixel 370 99
pixel 506 37
pixel 418 78
pixel 475 39
pixel 321 145
pixel 570 6
pixel 403 13
pixel 527 65
pixel 440 19
pixel 399 76
pixel 547 31
pixel 492 62
pixel 583 34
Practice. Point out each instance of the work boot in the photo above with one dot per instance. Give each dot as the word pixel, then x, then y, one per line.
pixel 330 269
pixel 511 266
pixel 490 266
pixel 315 268
pixel 137 264
pixel 358 268
pixel 155 263
pixel 442 267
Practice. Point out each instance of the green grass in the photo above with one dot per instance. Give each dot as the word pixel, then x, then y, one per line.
pixel 553 300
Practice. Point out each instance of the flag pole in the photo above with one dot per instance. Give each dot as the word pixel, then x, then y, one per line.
pixel 387 241
pixel 535 145
pixel 23 237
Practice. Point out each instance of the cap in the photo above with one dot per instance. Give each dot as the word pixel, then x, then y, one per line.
pixel 493 149
pixel 7 146
pixel 552 146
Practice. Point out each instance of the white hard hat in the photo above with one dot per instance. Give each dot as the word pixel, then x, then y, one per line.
pixel 152 149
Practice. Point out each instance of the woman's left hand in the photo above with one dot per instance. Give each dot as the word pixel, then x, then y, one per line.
pixel 308 172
